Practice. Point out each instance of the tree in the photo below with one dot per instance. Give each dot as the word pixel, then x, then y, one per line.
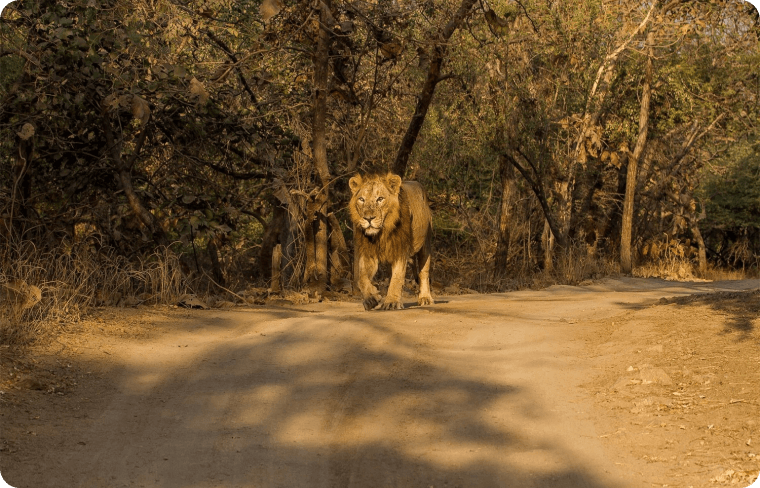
pixel 318 206
pixel 626 262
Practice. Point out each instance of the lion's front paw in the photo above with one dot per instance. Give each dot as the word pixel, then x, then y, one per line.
pixel 387 304
pixel 371 302
pixel 422 301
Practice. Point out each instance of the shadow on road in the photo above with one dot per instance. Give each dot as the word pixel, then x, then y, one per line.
pixel 742 309
pixel 311 401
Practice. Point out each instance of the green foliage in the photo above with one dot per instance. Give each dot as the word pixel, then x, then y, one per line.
pixel 732 194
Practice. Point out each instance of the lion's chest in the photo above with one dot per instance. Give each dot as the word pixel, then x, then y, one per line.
pixel 388 246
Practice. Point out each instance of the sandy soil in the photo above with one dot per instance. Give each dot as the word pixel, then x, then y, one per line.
pixel 622 383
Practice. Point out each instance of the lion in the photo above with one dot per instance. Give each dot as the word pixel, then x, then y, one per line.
pixel 392 222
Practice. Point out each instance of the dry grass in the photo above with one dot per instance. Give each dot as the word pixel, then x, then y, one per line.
pixel 75 279
pixel 41 288
pixel 667 269
pixel 676 261
pixel 573 267
pixel 721 274
pixel 669 259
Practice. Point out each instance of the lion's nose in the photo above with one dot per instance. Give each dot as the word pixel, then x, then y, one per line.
pixel 369 219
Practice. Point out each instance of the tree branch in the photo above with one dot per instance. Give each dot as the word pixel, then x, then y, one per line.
pixel 231 173
pixel 138 146
pixel 539 192
pixel 428 88
pixel 236 66
pixel 124 177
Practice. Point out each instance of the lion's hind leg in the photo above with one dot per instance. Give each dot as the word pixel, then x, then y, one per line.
pixel 423 261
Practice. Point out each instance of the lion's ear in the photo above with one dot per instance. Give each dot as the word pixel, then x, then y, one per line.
pixel 394 182
pixel 355 183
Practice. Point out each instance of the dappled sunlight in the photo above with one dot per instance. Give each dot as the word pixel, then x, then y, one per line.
pixel 285 395
pixel 339 398
pixel 443 453
pixel 259 402
pixel 539 462
pixel 143 382
pixel 435 414
pixel 300 353
pixel 321 377
pixel 472 392
pixel 301 428
pixel 301 383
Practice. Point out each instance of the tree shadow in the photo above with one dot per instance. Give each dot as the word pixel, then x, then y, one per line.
pixel 742 309
pixel 312 404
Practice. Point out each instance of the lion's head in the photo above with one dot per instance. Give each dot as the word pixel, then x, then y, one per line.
pixel 375 202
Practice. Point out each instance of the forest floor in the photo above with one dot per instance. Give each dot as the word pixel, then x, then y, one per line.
pixel 620 383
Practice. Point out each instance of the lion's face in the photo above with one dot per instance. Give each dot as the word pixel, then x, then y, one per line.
pixel 375 202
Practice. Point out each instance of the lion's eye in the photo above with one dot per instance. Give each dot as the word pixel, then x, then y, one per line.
pixel 360 200
pixel 380 199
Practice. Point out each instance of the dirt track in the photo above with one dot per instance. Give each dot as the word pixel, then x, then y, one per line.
pixel 595 386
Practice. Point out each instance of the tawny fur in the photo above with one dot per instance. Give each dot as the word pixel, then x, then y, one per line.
pixel 401 223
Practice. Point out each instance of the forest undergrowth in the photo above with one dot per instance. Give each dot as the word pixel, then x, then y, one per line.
pixel 43 290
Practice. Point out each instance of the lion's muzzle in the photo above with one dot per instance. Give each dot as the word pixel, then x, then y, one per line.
pixel 371 225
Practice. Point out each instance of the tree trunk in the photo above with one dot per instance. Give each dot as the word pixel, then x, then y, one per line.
pixel 310 250
pixel 700 241
pixel 547 240
pixel 565 203
pixel 701 247
pixel 21 191
pixel 213 254
pixel 428 88
pixel 588 222
pixel 315 237
pixel 508 192
pixel 270 239
pixel 593 111
pixel 275 285
pixel 339 257
pixel 316 274
pixel 690 213
pixel 610 225
pixel 626 258
pixel 321 251
pixel 288 242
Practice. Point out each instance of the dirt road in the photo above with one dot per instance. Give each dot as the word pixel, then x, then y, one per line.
pixel 523 389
